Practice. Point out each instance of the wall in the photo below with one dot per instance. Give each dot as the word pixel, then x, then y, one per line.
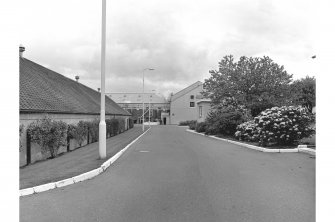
pixel 36 154
pixel 206 108
pixel 180 109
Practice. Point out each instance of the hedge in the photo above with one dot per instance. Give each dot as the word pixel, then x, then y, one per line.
pixel 51 134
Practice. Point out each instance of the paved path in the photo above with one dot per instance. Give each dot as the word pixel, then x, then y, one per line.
pixel 172 175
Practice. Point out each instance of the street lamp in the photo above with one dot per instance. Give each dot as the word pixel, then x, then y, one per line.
pixel 102 124
pixel 150 69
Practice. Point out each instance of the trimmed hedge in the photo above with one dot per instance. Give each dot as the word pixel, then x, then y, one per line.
pixel 51 134
pixel 187 122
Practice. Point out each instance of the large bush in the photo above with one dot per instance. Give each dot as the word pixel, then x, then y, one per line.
pixel 49 134
pixel 78 132
pixel 201 127
pixel 283 126
pixel 93 129
pixel 223 121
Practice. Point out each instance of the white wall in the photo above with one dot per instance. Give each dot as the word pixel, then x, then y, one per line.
pixel 206 108
pixel 180 109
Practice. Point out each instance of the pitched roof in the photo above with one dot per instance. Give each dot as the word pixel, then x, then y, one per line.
pixel 186 90
pixel 43 90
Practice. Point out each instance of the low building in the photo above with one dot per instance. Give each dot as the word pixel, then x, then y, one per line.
pixel 46 92
pixel 133 103
pixel 183 105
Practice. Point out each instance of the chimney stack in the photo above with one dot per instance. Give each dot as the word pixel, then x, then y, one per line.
pixel 21 50
pixel 77 78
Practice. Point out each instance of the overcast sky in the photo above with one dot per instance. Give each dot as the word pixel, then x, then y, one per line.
pixel 181 39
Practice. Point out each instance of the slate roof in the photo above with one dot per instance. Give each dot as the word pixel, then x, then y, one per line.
pixel 45 91
pixel 186 90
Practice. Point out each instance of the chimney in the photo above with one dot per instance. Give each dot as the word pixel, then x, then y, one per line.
pixel 98 89
pixel 21 50
pixel 77 78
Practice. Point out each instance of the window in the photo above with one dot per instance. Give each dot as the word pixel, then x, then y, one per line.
pixel 200 111
pixel 192 96
pixel 191 104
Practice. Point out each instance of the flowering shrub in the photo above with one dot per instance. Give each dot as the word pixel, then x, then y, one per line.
pixel 278 125
pixel 49 134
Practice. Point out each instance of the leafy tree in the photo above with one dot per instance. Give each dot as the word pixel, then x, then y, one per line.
pixel 256 83
pixel 303 92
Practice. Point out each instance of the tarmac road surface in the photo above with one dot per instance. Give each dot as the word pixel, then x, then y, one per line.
pixel 173 175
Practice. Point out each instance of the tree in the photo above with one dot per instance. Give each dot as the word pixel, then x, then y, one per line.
pixel 256 83
pixel 303 92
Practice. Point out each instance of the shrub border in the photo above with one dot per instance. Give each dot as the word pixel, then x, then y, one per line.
pixel 82 177
pixel 299 149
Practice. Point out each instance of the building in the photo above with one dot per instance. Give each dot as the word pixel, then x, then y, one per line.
pixel 46 92
pixel 183 105
pixel 204 107
pixel 133 103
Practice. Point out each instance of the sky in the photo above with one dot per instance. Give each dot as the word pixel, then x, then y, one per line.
pixel 182 40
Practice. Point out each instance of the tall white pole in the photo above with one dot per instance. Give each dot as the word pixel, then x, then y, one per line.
pixel 102 124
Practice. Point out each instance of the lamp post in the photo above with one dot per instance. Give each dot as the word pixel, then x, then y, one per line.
pixel 102 124
pixel 150 69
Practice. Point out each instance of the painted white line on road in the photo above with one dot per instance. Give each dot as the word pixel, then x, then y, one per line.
pixel 144 151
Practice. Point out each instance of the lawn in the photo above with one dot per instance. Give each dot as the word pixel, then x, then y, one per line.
pixel 76 162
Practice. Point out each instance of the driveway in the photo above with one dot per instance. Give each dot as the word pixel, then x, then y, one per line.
pixel 173 175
